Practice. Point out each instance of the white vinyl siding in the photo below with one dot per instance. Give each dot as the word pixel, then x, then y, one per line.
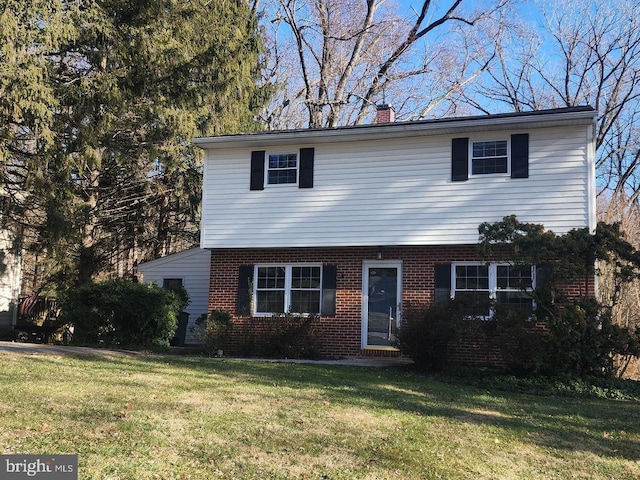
pixel 396 192
pixel 10 272
pixel 190 266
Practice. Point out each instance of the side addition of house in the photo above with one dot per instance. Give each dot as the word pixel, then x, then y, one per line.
pixel 352 223
pixel 10 274
pixel 188 269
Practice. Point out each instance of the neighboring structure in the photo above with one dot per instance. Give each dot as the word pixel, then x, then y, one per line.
pixel 353 222
pixel 10 271
pixel 190 269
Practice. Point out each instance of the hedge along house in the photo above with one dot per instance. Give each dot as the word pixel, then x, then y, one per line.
pixel 189 269
pixel 352 223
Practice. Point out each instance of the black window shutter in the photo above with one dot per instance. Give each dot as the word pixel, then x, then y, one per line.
pixel 306 168
pixel 459 159
pixel 329 277
pixel 543 276
pixel 520 155
pixel 442 282
pixel 257 170
pixel 245 279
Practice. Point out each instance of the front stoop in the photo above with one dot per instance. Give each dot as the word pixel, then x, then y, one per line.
pixel 386 352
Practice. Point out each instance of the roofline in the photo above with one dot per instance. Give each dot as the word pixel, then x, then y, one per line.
pixel 168 258
pixel 582 115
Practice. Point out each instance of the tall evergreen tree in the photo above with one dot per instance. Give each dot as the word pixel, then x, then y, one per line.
pixel 100 99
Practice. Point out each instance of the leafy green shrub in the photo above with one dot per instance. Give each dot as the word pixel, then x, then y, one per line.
pixel 513 331
pixel 8 334
pixel 122 313
pixel 548 385
pixel 215 329
pixel 583 340
pixel 427 332
pixel 280 336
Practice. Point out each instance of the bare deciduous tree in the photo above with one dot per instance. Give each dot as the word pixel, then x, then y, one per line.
pixel 572 53
pixel 332 61
pixel 612 208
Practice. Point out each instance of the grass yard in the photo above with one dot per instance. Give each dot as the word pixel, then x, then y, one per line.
pixel 162 417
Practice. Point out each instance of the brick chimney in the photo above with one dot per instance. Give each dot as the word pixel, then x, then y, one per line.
pixel 385 113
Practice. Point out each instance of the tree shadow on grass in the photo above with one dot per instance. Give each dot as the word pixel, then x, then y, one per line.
pixel 605 428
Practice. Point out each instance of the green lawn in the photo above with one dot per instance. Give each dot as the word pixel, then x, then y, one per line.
pixel 162 417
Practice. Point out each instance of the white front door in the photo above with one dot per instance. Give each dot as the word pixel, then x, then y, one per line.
pixel 381 303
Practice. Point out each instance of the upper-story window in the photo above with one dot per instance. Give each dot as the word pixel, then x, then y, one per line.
pixel 282 168
pixel 489 157
pixel 504 156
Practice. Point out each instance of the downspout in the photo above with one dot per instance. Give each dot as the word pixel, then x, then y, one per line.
pixel 591 188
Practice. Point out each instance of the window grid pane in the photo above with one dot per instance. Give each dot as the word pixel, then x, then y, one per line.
pixel 271 277
pixel 514 277
pixel 519 300
pixel 271 301
pixel 472 277
pixel 277 177
pixel 489 165
pixel 497 148
pixel 305 301
pixel 305 277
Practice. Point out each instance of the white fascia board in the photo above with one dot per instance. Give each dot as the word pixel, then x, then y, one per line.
pixel 454 126
pixel 168 259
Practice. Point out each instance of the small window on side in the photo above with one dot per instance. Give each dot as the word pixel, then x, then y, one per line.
pixel 171 283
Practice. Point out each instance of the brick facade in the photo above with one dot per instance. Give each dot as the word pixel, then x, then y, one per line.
pixel 341 334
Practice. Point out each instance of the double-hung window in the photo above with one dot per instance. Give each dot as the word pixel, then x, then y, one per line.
pixel 489 157
pixel 481 284
pixel 514 284
pixel 282 168
pixel 288 288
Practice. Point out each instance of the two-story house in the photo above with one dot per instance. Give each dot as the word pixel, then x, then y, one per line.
pixel 353 222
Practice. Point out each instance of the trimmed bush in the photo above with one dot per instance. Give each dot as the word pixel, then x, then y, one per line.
pixel 122 313
pixel 215 329
pixel 8 334
pixel 521 344
pixel 428 330
pixel 280 336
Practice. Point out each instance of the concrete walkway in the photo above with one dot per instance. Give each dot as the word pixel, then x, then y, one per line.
pixel 42 349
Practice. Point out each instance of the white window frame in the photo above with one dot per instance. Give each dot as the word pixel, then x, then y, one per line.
pixel 490 139
pixel 288 277
pixel 493 281
pixel 267 169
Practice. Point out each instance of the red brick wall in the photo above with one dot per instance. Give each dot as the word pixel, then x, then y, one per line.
pixel 341 334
